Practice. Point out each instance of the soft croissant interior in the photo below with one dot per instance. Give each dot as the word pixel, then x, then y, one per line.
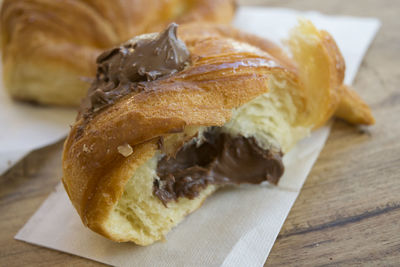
pixel 300 97
pixel 142 217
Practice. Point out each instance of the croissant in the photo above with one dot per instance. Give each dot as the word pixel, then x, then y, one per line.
pixel 49 47
pixel 169 120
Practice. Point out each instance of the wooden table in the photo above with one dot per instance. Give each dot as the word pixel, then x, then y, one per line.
pixel 348 211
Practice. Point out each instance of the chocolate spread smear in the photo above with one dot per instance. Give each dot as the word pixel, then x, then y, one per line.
pixel 121 69
pixel 126 69
pixel 221 159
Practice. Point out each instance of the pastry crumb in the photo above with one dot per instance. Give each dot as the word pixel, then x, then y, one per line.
pixel 125 150
pixel 85 148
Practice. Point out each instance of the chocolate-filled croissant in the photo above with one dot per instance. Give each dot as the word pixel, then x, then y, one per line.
pixel 49 47
pixel 169 120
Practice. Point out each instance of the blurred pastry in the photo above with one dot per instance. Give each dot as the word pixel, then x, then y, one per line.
pixel 49 47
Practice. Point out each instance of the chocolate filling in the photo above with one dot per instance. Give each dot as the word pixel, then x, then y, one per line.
pixel 221 159
pixel 144 60
pixel 126 69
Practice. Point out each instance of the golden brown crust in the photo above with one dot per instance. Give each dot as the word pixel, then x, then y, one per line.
pixel 226 72
pixel 48 46
pixel 209 31
pixel 321 69
pixel 339 100
pixel 353 109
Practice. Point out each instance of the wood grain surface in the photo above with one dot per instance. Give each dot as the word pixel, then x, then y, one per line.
pixel 348 212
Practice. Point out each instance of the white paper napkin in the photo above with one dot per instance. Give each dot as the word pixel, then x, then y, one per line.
pixel 235 226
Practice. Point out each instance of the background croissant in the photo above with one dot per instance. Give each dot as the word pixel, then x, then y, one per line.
pixel 49 47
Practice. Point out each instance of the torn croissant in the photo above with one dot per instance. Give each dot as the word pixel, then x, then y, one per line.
pixel 169 120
